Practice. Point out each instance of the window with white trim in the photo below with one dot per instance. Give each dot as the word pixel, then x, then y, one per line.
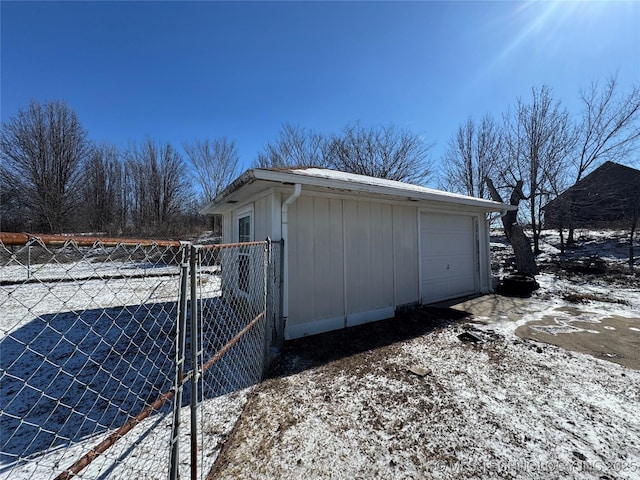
pixel 244 263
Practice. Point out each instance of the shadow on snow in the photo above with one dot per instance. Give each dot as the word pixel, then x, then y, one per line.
pixel 75 374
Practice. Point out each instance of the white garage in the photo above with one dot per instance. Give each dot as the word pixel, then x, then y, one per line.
pixel 356 248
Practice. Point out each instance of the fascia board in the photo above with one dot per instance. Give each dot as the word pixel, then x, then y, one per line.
pixel 292 178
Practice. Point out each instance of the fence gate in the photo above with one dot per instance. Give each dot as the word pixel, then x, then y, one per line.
pixel 98 348
pixel 234 286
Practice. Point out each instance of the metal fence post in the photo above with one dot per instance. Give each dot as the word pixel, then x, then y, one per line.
pixel 195 367
pixel 180 357
pixel 268 321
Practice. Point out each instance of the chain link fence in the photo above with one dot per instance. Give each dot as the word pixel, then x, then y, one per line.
pixel 97 349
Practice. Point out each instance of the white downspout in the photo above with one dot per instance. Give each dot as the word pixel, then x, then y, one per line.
pixel 285 260
pixel 502 213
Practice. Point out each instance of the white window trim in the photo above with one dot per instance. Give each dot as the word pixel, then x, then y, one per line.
pixel 246 211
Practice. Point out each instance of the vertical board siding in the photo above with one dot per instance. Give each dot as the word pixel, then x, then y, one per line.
pixel 353 260
pixel 333 241
pixel 301 261
pixel 358 246
pixel 381 260
pixel 262 218
pixel 405 255
pixel 316 284
pixel 227 228
pixel 369 260
pixel 328 258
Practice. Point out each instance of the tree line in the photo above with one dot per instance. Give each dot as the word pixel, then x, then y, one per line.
pixel 54 179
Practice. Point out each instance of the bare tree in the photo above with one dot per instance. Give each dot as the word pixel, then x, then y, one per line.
pixel 610 125
pixel 609 129
pixel 14 216
pixel 295 147
pixel 383 152
pixel 539 138
pixel 558 183
pixel 471 157
pixel 102 190
pixel 158 186
pixel 215 164
pixel 633 215
pixel 43 150
pixel 525 260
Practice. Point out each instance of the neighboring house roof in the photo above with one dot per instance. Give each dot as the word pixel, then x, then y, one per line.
pixel 608 195
pixel 251 181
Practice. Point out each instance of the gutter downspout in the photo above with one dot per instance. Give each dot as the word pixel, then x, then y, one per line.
pixel 502 213
pixel 284 233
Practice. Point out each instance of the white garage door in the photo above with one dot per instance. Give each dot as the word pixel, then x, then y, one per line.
pixel 447 256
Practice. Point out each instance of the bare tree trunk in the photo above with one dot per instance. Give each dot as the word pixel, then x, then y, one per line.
pixel 525 260
pixel 631 238
pixel 571 237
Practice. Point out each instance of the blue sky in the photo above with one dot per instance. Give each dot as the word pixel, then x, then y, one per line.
pixel 178 71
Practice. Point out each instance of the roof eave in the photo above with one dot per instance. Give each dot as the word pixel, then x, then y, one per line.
pixel 214 207
pixel 219 204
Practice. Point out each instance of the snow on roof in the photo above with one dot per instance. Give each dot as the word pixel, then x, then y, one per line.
pixel 384 183
pixel 333 179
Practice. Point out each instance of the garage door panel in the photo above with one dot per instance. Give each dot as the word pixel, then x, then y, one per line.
pixel 448 259
pixel 445 245
pixel 448 266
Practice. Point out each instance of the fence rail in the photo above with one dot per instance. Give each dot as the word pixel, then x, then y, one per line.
pixel 106 341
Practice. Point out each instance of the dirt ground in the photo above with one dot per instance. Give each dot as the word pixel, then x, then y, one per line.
pixel 485 387
pixel 410 397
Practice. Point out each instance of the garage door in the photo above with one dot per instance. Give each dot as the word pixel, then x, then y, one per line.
pixel 447 256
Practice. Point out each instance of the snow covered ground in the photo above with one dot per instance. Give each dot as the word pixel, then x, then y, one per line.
pixel 502 408
pixel 144 452
pixel 85 343
pixel 425 404
pixel 408 398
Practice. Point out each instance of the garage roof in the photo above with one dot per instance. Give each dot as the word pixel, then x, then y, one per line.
pixel 252 181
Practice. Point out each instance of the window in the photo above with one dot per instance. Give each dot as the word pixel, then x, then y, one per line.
pixel 244 229
pixel 244 264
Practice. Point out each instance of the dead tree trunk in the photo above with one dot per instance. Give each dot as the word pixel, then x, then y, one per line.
pixel 525 260
pixel 631 253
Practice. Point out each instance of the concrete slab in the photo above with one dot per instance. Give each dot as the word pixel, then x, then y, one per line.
pixel 615 338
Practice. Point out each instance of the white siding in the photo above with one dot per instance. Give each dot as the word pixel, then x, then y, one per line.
pixel 228 233
pixel 405 255
pixel 353 260
pixel 316 258
pixel 262 218
pixel 368 230
pixel 345 266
